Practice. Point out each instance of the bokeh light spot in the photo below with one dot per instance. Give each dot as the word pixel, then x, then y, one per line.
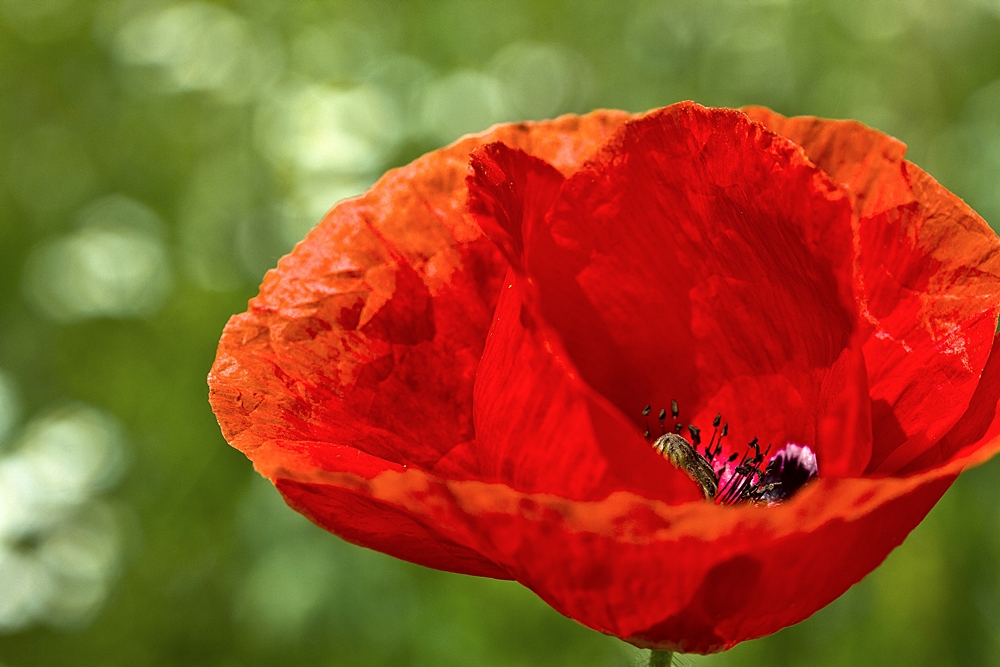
pixel 318 128
pixel 59 545
pixel 26 586
pixel 82 557
pixel 197 46
pixel 336 52
pixel 541 81
pixel 462 102
pixel 285 590
pixel 114 265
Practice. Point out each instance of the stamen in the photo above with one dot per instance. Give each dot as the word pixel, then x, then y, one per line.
pixel 709 454
pixel 746 482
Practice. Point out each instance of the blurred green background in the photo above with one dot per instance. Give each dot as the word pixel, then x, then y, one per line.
pixel 157 157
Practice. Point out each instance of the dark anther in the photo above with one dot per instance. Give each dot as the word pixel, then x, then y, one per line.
pixel 695 434
pixel 733 457
pixel 663 421
pixel 764 455
pixel 645 414
pixel 725 429
pixel 674 410
pixel 678 428
pixel 717 420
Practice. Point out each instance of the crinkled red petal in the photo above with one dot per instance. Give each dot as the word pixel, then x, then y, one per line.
pixel 360 352
pixel 702 258
pixel 539 427
pixel 694 577
pixel 928 281
pixel 510 192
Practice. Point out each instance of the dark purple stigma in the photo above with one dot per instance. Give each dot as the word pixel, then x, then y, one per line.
pixel 787 472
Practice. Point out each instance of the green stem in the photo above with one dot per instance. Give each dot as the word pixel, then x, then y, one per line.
pixel 661 658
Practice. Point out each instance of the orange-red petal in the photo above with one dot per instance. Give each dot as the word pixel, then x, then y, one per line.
pixel 701 258
pixel 928 281
pixel 360 352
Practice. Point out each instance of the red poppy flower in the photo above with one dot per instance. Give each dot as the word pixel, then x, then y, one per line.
pixel 474 405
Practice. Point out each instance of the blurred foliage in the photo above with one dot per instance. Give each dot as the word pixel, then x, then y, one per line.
pixel 157 157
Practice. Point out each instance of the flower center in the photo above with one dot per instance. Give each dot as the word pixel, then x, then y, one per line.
pixel 733 479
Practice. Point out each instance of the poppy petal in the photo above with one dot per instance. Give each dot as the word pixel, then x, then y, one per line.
pixel 702 258
pixel 969 441
pixel 379 315
pixel 695 578
pixel 541 429
pixel 932 317
pixel 868 163
pixel 509 193
pixel 538 427
pixel 935 316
